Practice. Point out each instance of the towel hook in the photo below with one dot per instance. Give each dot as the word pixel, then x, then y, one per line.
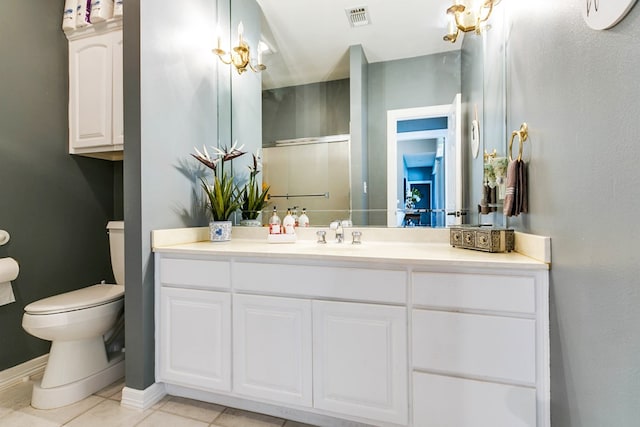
pixel 522 134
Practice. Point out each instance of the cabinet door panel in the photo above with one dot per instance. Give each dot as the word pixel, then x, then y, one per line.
pixel 447 401
pixel 475 291
pixel 195 338
pixel 362 284
pixel 195 273
pixel 90 91
pixel 272 348
pixel 470 344
pixel 118 90
pixel 360 360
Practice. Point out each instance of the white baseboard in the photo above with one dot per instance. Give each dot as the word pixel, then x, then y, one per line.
pixel 22 372
pixel 143 399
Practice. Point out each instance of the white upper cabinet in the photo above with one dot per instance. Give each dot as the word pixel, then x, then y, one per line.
pixel 96 124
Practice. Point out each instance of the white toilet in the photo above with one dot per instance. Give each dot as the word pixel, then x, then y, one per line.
pixel 76 323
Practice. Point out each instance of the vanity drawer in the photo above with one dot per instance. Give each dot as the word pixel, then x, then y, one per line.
pixel 446 401
pixel 475 291
pixel 502 348
pixel 360 284
pixel 195 273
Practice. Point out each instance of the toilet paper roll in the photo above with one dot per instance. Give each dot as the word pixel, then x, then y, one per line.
pixel 69 15
pixel 4 237
pixel 9 269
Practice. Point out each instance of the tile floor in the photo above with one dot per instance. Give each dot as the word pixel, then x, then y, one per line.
pixel 103 410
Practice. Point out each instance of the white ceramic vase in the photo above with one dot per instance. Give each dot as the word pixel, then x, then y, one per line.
pixel 220 231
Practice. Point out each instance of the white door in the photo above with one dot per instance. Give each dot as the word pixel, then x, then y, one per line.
pixel 452 158
pixel 360 360
pixel 195 334
pixel 272 348
pixel 453 163
pixel 90 91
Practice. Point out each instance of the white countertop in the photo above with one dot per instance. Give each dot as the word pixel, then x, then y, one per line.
pixel 435 252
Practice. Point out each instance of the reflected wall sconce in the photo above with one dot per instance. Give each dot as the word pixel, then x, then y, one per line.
pixel 240 55
pixel 468 15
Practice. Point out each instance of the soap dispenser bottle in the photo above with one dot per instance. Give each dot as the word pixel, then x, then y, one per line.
pixel 294 214
pixel 274 223
pixel 303 220
pixel 288 223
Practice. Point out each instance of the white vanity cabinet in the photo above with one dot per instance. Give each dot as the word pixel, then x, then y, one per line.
pixel 336 341
pixel 96 120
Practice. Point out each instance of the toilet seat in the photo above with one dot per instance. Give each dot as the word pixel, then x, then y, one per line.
pixel 91 296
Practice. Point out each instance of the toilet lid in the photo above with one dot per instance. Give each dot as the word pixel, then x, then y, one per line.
pixel 76 300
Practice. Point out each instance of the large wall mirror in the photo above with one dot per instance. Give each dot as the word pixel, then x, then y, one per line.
pixel 322 106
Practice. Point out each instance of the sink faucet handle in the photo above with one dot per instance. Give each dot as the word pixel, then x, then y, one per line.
pixel 357 237
pixel 321 236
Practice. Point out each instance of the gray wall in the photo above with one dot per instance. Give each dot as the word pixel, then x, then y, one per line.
pixel 472 99
pixel 311 110
pixel 246 89
pixel 359 96
pixel 406 83
pixel 483 90
pixel 170 107
pixel 54 205
pixel 577 90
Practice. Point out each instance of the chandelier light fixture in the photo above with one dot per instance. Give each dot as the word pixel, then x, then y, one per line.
pixel 468 15
pixel 240 55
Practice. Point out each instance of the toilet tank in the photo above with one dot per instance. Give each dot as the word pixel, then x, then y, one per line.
pixel 116 245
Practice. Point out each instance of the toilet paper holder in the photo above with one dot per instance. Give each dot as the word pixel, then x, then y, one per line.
pixel 4 237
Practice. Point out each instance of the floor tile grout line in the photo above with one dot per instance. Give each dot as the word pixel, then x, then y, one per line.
pixel 85 411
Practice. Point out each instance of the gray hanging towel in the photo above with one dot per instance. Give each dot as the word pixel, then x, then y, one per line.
pixel 510 192
pixel 522 192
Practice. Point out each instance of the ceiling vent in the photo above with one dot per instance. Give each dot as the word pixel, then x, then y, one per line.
pixel 358 16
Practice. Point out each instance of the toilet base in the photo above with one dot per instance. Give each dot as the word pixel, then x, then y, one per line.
pixel 56 397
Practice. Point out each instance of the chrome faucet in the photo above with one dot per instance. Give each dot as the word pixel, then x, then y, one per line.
pixel 338 226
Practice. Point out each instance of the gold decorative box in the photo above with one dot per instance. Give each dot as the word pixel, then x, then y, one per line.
pixel 487 239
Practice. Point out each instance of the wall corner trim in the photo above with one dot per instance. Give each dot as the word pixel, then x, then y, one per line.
pixel 142 399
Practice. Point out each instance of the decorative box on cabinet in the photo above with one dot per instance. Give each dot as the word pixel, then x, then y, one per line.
pixel 96 122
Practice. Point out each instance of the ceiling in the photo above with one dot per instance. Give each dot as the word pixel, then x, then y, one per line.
pixel 311 38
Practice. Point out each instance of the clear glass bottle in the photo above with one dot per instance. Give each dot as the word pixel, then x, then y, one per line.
pixel 274 223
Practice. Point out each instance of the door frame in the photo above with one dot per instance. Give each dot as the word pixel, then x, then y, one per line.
pixel 395 116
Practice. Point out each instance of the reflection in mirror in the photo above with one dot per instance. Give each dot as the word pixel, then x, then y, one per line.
pixel 424 152
pixel 326 78
pixel 489 190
